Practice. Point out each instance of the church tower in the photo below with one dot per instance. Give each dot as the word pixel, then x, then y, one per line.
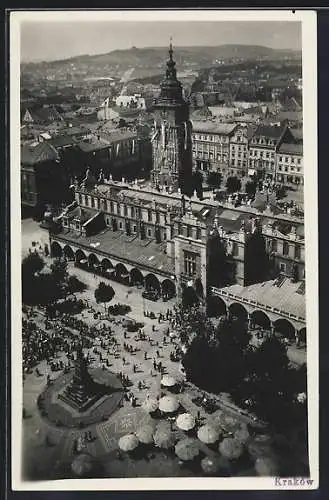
pixel 172 135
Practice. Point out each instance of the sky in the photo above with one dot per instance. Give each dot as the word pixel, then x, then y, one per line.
pixel 59 40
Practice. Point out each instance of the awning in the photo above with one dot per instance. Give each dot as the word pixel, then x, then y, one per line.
pixel 251 171
pixel 110 271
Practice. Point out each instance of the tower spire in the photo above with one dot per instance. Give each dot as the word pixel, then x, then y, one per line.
pixel 170 49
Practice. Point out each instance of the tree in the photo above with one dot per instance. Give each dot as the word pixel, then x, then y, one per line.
pixel 217 268
pixel 251 188
pixel 270 382
pixel 104 293
pixel 280 192
pixel 197 183
pixel 74 285
pixel 59 270
pixel 233 184
pixel 214 180
pixel 189 297
pixel 32 264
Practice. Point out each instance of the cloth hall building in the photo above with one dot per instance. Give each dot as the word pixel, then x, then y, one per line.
pixel 159 236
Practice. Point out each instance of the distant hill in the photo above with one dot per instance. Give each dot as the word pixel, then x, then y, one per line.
pixel 155 56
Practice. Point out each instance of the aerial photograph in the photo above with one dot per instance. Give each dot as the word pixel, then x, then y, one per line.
pixel 162 250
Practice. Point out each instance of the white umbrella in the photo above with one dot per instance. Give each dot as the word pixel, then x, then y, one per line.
pixel 128 442
pixel 168 404
pixel 242 435
pixel 231 448
pixel 208 434
pixel 164 438
pixel 82 465
pixel 150 405
pixel 168 381
pixel 145 434
pixel 265 466
pixel 185 421
pixel 209 465
pixel 187 449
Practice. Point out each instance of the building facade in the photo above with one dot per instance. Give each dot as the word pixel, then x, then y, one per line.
pixel 290 169
pixel 211 146
pixel 263 147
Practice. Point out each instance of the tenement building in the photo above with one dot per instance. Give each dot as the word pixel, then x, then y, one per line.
pixel 157 236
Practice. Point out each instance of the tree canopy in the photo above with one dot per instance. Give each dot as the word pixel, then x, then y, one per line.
pixel 233 184
pixel 104 293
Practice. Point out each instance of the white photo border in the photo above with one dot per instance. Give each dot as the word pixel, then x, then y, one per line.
pixel 309 71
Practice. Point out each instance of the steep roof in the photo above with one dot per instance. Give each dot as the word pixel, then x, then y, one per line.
pixel 273 132
pixel 213 127
pixel 44 151
pixel 296 149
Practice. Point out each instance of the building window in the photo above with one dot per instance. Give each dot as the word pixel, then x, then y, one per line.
pixel 189 263
pixel 80 199
pixel 165 235
pixel 149 215
pixel 157 217
pixel 280 158
pixel 125 210
pixel 285 249
pixel 298 161
pixel 134 229
pixel 120 225
pixel 198 233
pixel 282 267
pixel 235 249
pixel 133 211
pixel 111 207
pixel 274 246
pixel 297 252
pixel 286 159
pixel 92 202
pixel 188 231
pixel 149 232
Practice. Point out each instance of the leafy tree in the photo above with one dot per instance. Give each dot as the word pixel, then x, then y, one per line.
pixel 197 181
pixel 74 285
pixel 280 192
pixel 251 188
pixel 104 293
pixel 217 268
pixel 32 264
pixel 270 383
pixel 59 270
pixel 214 180
pixel 189 297
pixel 233 184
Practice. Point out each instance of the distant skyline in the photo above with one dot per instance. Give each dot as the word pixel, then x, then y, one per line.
pixel 46 41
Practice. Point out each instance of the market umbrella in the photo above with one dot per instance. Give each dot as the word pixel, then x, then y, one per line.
pixel 185 421
pixel 150 405
pixel 164 438
pixel 168 404
pixel 260 446
pixel 145 434
pixel 229 423
pixel 128 442
pixel 209 465
pixel 242 435
pixel 83 465
pixel 187 449
pixel 208 434
pixel 231 448
pixel 168 381
pixel 265 466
